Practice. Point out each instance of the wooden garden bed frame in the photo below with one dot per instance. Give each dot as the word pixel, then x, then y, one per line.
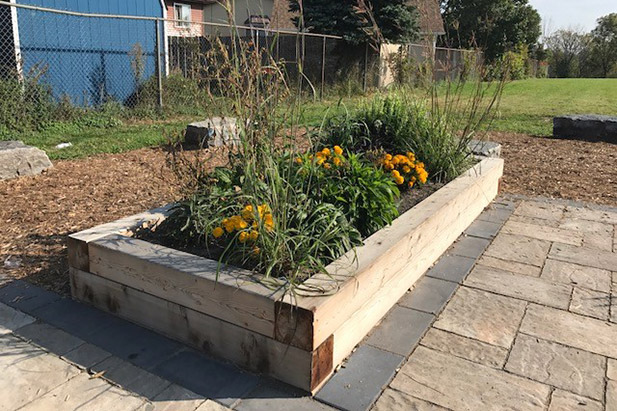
pixel 298 341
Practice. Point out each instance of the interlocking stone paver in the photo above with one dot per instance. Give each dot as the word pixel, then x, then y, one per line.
pixel 570 329
pixel 358 385
pixel 11 319
pixel 50 338
pixel 611 396
pixel 595 235
pixel 568 368
pixel 393 400
pixel 176 398
pixel 452 268
pixel 429 295
pixel 545 211
pixel 86 355
pixel 272 395
pixel 483 229
pixel 466 348
pixel 495 215
pixel 543 233
pixel 458 384
pixel 131 377
pixel 27 372
pixel 211 406
pixel 520 286
pixel 26 297
pixel 85 393
pixel 471 247
pixel 511 266
pixel 483 316
pixel 592 303
pixel 586 213
pixel 584 256
pixel 577 275
pixel 535 221
pixel 520 249
pixel 400 330
pixel 566 401
pixel 611 370
pixel 213 379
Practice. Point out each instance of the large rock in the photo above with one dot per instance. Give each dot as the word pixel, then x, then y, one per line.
pixel 213 132
pixel 18 159
pixel 586 127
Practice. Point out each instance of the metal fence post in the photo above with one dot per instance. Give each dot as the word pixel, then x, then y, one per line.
pixel 158 62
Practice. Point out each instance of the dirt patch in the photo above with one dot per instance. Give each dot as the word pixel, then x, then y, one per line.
pixel 544 166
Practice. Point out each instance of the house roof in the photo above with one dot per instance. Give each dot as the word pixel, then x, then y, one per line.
pixel 430 16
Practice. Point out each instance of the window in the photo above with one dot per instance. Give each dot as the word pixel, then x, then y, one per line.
pixel 182 12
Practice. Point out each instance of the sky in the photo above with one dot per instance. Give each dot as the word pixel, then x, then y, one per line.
pixel 557 14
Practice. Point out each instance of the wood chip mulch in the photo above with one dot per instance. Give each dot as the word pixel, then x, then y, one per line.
pixel 37 213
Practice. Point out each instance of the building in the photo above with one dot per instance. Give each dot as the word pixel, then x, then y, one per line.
pixel 82 58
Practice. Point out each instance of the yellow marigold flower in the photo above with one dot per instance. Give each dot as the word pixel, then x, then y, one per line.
pixel 256 251
pixel 218 232
pixel 336 161
pixel 411 183
pixel 396 174
pixel 239 223
pixel 253 235
pixel 400 181
pixel 326 151
pixel 411 155
pixel 243 236
pixel 388 157
pixel 327 166
pixel 269 221
pixel 321 161
pixel 299 160
pixel 406 169
pixel 247 213
pixel 338 150
pixel 228 224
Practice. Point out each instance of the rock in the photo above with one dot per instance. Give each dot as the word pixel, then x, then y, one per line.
pixel 586 127
pixel 213 132
pixel 485 148
pixel 18 159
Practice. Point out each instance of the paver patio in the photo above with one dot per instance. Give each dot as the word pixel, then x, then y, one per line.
pixel 520 314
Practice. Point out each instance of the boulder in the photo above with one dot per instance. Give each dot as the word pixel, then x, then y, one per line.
pixel 18 159
pixel 485 148
pixel 586 127
pixel 213 132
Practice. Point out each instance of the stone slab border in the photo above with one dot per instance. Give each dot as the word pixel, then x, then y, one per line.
pixel 586 127
pixel 297 340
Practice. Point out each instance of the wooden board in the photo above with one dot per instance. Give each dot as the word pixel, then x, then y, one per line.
pixel 250 350
pixel 185 279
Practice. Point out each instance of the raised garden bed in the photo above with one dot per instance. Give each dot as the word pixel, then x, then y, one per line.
pixel 229 315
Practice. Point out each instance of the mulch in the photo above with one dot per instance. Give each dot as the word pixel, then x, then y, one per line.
pixel 37 213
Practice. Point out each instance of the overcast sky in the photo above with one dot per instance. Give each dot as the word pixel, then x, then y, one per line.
pixel 573 13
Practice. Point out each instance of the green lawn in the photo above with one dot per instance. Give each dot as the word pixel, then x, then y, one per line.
pixel 527 106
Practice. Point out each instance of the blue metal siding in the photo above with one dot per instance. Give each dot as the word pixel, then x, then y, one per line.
pixel 88 58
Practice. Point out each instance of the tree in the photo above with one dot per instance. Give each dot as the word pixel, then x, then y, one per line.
pixel 604 44
pixel 496 26
pixel 567 48
pixel 357 20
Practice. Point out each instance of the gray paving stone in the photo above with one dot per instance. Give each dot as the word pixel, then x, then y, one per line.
pixel 176 398
pixel 570 329
pixel 584 256
pixel 452 268
pixel 586 213
pixel 592 303
pixel 520 249
pixel 483 316
pixel 12 319
pixel 208 377
pixel 400 331
pixel 495 215
pixel 568 368
pixel 85 393
pixel 429 295
pixel 357 386
pixel 272 395
pixel 611 369
pixel 50 338
pixel 392 400
pixel 546 211
pixel 577 275
pixel 534 221
pixel 483 229
pixel 512 266
pixel 140 346
pixel 86 355
pixel 26 297
pixel 466 348
pixel 520 286
pixel 566 401
pixel 471 247
pixel 458 384
pixel 611 396
pixel 595 235
pixel 542 232
pixel 131 378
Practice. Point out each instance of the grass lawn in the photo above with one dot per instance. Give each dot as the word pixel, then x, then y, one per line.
pixel 527 106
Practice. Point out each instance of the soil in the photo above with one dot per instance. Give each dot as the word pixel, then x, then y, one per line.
pixel 37 213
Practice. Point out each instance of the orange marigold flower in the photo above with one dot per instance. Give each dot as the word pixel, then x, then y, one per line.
pixel 338 150
pixel 326 151
pixel 218 232
pixel 253 235
pixel 327 166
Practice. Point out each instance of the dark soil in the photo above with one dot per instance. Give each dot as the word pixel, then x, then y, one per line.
pixel 410 198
